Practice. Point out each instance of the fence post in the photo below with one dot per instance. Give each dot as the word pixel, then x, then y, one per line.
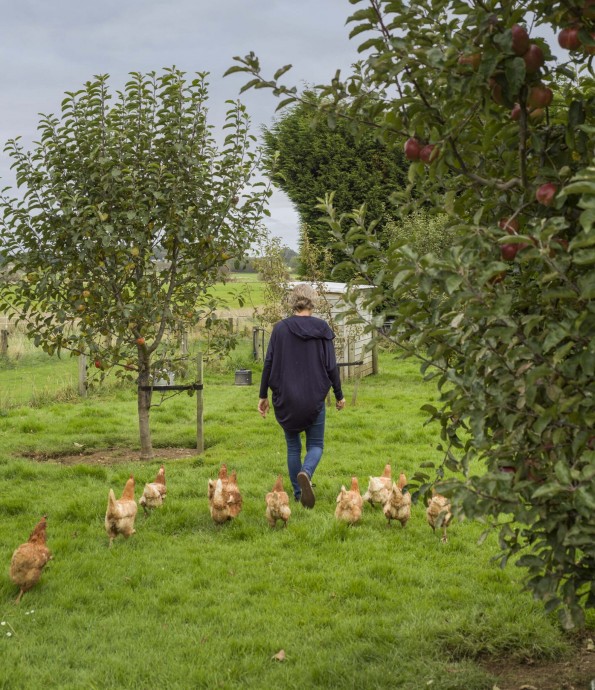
pixel 257 344
pixel 200 438
pixel 4 343
pixel 83 375
pixel 375 359
pixel 358 378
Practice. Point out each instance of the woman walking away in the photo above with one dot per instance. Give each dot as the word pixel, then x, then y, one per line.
pixel 300 367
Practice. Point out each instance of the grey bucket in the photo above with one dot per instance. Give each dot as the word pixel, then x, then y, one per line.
pixel 243 377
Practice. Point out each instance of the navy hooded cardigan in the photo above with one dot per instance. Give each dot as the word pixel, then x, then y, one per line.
pixel 300 367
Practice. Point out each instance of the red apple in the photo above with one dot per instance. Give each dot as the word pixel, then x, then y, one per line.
pixel 98 363
pixel 428 153
pixel 546 193
pixel 511 225
pixel 539 96
pixel 140 341
pixel 509 251
pixel 520 40
pixel 537 114
pixel 515 113
pixel 568 38
pixel 412 149
pixel 472 60
pixel 508 469
pixel 533 58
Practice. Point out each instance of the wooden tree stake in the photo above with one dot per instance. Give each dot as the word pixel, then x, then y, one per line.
pixel 83 375
pixel 4 343
pixel 200 438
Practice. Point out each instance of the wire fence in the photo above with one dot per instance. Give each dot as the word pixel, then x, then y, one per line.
pixel 28 376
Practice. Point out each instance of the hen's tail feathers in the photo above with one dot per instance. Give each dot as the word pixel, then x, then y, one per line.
pixel 39 533
pixel 278 484
pixel 128 493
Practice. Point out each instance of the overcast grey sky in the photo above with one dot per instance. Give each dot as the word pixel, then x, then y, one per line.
pixel 47 48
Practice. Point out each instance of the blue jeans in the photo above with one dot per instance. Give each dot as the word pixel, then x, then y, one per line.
pixel 314 448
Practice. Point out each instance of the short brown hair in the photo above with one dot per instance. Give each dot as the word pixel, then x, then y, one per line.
pixel 303 296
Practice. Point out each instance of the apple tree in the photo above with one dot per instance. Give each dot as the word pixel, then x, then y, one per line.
pixel 126 212
pixel 498 129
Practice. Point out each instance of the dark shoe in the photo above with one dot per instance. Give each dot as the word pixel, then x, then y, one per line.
pixel 307 498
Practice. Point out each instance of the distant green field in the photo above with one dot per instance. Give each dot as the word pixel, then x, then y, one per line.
pixel 240 287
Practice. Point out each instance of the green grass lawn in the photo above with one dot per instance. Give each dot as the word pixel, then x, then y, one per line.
pixel 36 377
pixel 188 604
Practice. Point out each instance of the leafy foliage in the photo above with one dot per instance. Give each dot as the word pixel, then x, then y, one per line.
pixel 500 139
pixel 127 215
pixel 274 272
pixel 425 232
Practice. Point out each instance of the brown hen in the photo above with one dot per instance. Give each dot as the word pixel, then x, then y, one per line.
pixel 154 493
pixel 349 503
pixel 29 559
pixel 379 488
pixel 398 505
pixel 277 502
pixel 120 514
pixel 439 514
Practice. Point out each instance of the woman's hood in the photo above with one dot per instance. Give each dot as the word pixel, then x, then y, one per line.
pixel 309 327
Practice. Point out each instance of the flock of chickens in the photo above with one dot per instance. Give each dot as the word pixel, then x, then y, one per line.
pixel 395 502
pixel 225 503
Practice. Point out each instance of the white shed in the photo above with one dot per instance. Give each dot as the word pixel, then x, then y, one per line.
pixel 350 342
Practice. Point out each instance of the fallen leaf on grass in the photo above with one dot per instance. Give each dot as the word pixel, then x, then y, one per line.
pixel 279 656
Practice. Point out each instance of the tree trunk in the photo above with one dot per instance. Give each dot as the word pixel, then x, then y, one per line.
pixel 144 406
